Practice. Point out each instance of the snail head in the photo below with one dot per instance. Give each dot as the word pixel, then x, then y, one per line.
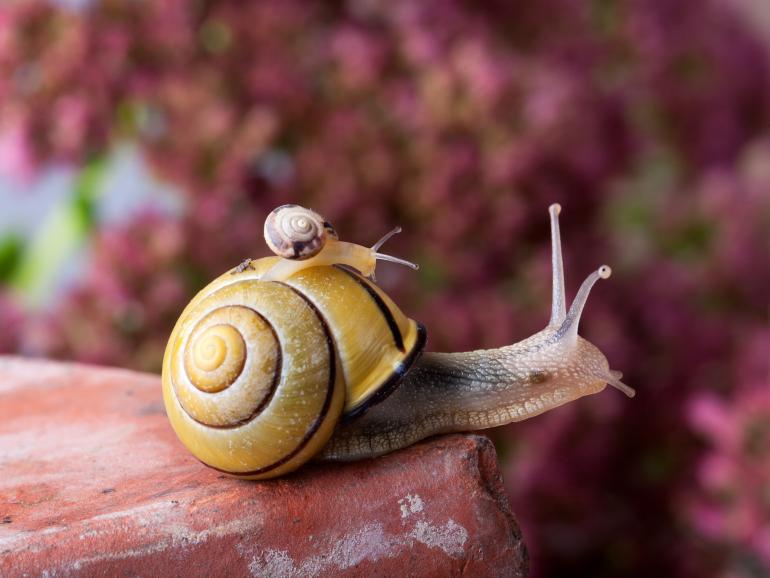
pixel 304 239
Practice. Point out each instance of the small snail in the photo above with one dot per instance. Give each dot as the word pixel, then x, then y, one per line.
pixel 301 356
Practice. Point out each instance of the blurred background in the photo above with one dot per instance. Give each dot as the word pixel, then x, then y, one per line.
pixel 142 143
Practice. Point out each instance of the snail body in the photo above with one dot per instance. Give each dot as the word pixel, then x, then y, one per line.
pixel 288 358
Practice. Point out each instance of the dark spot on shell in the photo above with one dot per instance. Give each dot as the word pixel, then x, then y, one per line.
pixel 297 234
pixel 302 250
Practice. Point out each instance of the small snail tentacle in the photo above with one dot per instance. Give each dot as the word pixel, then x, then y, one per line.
pixel 397 260
pixel 385 238
pixel 382 257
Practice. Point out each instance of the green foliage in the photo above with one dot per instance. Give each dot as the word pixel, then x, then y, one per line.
pixel 31 271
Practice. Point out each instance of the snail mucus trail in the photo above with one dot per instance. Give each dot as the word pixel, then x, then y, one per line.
pixel 301 356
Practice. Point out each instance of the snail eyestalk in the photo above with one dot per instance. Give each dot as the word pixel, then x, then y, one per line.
pixel 382 257
pixel 569 328
pixel 385 238
pixel 390 258
pixel 569 324
pixel 558 301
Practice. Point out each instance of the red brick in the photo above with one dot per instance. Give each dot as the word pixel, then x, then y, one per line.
pixel 93 482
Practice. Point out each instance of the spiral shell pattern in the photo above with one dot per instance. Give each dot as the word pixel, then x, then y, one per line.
pixel 294 232
pixel 257 373
pixel 251 382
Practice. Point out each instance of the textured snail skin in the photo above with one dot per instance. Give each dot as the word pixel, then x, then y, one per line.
pixel 452 392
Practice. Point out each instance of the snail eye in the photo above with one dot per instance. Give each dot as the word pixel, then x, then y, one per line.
pixel 296 233
pixel 330 230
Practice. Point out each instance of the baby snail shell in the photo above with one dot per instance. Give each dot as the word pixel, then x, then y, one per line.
pixel 294 232
pixel 301 356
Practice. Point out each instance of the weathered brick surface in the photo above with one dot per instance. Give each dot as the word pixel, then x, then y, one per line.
pixel 93 482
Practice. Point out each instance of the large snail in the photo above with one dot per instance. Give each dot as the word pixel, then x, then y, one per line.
pixel 300 356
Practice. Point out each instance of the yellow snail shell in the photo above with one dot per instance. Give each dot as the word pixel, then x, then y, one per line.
pixel 257 373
